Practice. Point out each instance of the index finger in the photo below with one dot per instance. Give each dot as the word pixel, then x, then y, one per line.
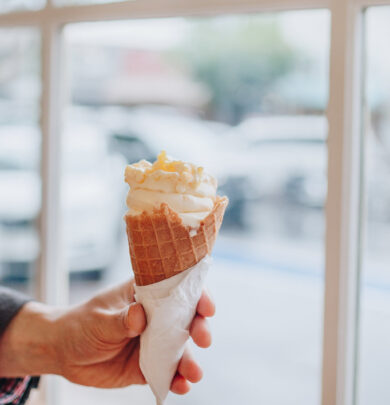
pixel 206 306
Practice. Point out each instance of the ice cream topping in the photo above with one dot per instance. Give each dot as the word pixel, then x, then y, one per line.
pixel 186 188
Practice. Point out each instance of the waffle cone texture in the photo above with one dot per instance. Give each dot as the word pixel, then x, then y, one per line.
pixel 161 246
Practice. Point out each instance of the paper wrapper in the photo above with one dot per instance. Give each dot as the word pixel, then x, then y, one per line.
pixel 170 306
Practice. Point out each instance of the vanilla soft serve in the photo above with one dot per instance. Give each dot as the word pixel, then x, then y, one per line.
pixel 187 189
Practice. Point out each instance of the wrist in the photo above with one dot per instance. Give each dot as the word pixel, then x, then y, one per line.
pixel 29 344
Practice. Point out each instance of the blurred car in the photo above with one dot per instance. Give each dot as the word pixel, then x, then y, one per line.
pixel 20 199
pixel 90 214
pixel 286 158
pixel 182 136
pixel 93 198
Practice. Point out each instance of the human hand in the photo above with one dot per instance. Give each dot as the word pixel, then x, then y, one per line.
pixel 97 343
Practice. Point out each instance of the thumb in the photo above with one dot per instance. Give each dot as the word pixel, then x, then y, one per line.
pixel 133 320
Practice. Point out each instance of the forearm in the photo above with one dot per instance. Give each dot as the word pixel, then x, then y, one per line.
pixel 28 345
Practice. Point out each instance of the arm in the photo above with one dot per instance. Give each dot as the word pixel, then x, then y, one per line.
pixel 13 390
pixel 27 346
pixel 10 303
pixel 95 343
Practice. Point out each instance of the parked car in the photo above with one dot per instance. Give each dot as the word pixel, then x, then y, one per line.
pixel 286 158
pixel 20 199
pixel 92 193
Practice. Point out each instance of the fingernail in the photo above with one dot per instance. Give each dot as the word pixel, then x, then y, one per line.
pixel 136 321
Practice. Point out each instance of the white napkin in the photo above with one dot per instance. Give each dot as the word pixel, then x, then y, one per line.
pixel 170 306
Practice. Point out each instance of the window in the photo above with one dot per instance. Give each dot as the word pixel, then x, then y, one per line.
pixel 300 261
pixel 374 335
pixel 180 84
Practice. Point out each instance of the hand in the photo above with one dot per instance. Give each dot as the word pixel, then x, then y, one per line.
pixel 96 343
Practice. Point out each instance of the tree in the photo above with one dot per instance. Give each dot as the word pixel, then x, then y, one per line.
pixel 238 60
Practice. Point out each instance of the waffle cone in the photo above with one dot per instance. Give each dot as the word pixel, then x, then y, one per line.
pixel 161 246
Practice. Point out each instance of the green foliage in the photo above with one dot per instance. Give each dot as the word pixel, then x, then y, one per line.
pixel 238 62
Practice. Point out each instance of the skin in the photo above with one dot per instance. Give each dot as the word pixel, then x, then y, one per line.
pixel 95 343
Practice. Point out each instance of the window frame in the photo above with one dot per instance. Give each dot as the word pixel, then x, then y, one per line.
pixel 345 182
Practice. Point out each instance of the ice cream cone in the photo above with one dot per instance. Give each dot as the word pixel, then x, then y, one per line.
pixel 161 246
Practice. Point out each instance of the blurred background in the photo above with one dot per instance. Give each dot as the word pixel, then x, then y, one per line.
pixel 245 96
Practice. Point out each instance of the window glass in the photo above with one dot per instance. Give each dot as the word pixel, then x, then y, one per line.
pixel 20 198
pixel 13 5
pixel 374 356
pixel 245 97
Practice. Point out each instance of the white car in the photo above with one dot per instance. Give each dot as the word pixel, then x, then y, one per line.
pixel 182 136
pixel 92 191
pixel 285 157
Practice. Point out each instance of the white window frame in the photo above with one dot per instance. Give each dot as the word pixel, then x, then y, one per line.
pixel 343 208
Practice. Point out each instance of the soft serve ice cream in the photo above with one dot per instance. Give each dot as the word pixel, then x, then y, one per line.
pixel 186 188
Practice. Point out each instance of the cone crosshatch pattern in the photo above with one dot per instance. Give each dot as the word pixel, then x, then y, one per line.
pixel 161 246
